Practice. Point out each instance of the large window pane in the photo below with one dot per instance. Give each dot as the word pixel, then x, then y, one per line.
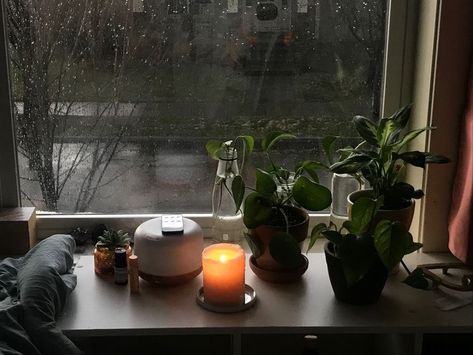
pixel 116 99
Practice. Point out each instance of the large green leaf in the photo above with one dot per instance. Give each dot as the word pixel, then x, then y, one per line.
pixel 366 129
pixel 265 184
pixel 391 240
pixel 285 250
pixel 213 148
pixel 311 195
pixel 362 213
pixel 271 138
pixel 238 191
pixel 257 210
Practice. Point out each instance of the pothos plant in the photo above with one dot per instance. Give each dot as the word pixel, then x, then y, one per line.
pixel 382 156
pixel 358 248
pixel 277 189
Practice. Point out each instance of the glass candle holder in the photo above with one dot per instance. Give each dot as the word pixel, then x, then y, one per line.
pixel 224 274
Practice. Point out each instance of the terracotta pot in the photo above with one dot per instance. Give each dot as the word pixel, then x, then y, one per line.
pixel 403 215
pixel 264 233
pixel 104 259
pixel 366 291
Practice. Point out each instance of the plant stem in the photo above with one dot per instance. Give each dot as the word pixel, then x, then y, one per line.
pixel 405 267
pixel 285 219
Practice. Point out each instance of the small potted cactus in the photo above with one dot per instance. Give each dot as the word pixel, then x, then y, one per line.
pixel 104 252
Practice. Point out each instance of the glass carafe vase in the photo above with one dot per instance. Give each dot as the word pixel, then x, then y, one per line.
pixel 227 223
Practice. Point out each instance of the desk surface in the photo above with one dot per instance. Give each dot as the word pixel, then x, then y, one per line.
pixel 98 307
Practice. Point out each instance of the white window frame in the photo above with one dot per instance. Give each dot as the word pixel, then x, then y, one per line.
pixel 396 91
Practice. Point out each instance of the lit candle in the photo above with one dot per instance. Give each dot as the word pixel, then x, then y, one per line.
pixel 224 274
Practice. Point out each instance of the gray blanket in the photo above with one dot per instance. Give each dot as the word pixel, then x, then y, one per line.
pixel 33 291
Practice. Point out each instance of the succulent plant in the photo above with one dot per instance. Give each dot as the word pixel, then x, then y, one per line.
pixel 113 239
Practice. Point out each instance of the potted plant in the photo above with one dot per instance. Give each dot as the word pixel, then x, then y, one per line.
pixel 104 252
pixel 361 253
pixel 227 226
pixel 275 212
pixel 381 158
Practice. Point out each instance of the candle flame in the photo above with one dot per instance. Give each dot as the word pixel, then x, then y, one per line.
pixel 223 258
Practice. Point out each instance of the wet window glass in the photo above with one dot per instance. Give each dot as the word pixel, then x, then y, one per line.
pixel 115 100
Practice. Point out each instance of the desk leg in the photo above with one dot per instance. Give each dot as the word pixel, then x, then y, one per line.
pixel 236 344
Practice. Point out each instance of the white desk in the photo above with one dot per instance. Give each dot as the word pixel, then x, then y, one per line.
pixel 101 308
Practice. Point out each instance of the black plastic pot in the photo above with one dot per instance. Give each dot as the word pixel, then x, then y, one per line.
pixel 365 291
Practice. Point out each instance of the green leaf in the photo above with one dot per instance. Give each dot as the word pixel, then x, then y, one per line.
pixel 417 280
pixel 391 240
pixel 357 255
pixel 366 129
pixel 415 158
pixel 255 245
pixel 351 165
pixel 271 138
pixel 413 247
pixel 344 153
pixel 249 144
pixel 311 195
pixel 436 159
pixel 386 129
pixel 213 148
pixel 257 210
pixel 362 213
pixel 328 144
pixel 409 136
pixel 348 225
pixel 316 234
pixel 332 236
pixel 419 159
pixel 311 167
pixel 285 250
pixel 265 184
pixel 402 116
pixel 238 191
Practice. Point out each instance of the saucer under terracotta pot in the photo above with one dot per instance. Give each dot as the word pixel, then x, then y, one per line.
pixel 279 276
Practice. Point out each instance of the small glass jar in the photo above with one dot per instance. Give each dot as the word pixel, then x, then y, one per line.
pixel 227 225
pixel 104 258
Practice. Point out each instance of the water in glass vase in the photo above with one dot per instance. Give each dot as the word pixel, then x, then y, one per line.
pixel 227 225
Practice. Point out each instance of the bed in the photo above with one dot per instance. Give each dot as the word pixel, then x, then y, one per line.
pixel 33 291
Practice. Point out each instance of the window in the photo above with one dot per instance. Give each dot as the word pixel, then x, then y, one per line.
pixel 114 101
pixel 113 110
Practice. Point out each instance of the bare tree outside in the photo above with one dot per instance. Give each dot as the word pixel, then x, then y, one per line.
pixel 55 46
pixel 115 99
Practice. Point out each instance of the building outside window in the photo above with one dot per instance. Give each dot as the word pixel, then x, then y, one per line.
pixel 112 110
